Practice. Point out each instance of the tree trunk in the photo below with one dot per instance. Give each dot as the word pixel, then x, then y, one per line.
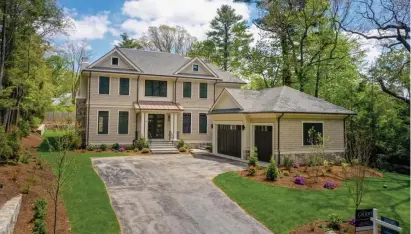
pixel 225 56
pixel 285 68
pixel 3 44
pixel 317 78
pixel 55 208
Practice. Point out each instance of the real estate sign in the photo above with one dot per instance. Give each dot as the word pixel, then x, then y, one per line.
pixel 385 230
pixel 363 220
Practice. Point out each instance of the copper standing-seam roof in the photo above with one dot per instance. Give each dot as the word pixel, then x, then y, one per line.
pixel 158 105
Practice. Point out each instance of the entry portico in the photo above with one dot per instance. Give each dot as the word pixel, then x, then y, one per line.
pixel 158 120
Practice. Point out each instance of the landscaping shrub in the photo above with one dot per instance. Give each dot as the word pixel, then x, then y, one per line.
pixel 130 147
pixel 335 221
pixel 121 148
pixel 180 143
pixel 40 209
pixel 24 127
pixel 25 159
pixel 26 189
pixel 90 147
pixel 329 185
pixel 1 185
pixel 299 180
pixel 288 163
pixel 286 173
pixel 9 145
pixel 103 147
pixel 115 146
pixel 272 170
pixel 296 165
pixel 253 159
pixel 251 170
pixel 328 166
pixel 182 149
pixel 141 143
pixel 145 150
pixel 73 139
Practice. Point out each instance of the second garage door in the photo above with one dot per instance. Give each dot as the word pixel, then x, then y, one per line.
pixel 263 140
pixel 229 140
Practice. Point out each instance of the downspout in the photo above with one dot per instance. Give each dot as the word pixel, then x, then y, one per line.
pixel 278 138
pixel 345 136
pixel 89 104
pixel 214 89
pixel 136 135
pixel 175 90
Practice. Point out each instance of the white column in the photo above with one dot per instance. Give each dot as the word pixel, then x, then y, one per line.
pixel 175 126
pixel 146 125
pixel 142 132
pixel 171 125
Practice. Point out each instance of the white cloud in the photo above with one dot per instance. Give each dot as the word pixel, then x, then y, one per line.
pixel 115 42
pixel 89 27
pixel 193 15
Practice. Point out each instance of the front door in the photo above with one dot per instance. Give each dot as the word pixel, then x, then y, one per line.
pixel 156 126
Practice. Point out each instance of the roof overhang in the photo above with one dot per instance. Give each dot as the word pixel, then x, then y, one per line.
pixel 158 105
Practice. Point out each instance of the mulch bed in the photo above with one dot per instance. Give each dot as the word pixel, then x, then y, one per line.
pixel 309 173
pixel 16 178
pixel 320 227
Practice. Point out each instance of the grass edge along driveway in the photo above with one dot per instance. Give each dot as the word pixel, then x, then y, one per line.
pixel 283 209
pixel 85 196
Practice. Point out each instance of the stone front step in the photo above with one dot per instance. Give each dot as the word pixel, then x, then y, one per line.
pixel 164 151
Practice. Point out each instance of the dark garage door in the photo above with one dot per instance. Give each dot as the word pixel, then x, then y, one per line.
pixel 263 140
pixel 229 140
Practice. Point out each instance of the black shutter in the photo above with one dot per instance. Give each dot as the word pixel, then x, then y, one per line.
pixel 202 123
pixel 124 86
pixel 123 122
pixel 317 128
pixel 186 122
pixel 203 90
pixel 187 89
pixel 104 85
pixel 102 123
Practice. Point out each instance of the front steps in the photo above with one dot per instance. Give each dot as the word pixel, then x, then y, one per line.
pixel 162 147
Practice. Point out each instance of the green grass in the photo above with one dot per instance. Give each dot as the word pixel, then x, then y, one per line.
pixel 85 197
pixel 282 209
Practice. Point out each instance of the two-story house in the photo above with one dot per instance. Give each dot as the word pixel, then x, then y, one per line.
pixel 129 93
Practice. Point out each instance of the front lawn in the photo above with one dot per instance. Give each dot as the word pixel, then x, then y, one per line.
pixel 283 209
pixel 85 197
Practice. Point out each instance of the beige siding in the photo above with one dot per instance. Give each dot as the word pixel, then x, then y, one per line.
pixel 291 135
pixel 113 98
pixel 195 101
pixel 123 64
pixel 112 136
pixel 201 70
pixel 195 136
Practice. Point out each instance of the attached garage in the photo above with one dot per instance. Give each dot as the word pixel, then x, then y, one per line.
pixel 229 140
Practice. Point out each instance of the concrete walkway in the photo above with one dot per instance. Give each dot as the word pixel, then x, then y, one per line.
pixel 173 194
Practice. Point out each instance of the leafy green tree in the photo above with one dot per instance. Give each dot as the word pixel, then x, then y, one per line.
pixel 60 74
pixel 127 42
pixel 228 32
pixel 203 49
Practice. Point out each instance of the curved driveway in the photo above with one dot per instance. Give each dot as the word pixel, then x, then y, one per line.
pixel 172 194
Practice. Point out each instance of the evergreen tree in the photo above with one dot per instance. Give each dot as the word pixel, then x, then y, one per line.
pixel 128 42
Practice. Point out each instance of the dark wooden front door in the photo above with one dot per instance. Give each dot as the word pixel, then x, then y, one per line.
pixel 263 140
pixel 156 126
pixel 229 140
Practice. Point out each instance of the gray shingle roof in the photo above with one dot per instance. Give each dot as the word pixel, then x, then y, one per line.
pixel 161 63
pixel 280 100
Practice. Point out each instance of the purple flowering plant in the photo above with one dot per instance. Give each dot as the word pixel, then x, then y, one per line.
pixel 329 185
pixel 296 165
pixel 352 221
pixel 299 180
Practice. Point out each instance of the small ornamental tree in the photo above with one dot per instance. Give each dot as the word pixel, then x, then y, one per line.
pixel 318 151
pixel 272 170
pixel 253 159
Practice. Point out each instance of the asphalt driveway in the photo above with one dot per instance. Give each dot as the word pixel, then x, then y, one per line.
pixel 172 194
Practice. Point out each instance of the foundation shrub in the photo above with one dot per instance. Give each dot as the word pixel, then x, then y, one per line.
pixel 272 172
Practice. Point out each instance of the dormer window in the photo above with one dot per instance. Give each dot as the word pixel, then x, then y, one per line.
pixel 114 61
pixel 195 67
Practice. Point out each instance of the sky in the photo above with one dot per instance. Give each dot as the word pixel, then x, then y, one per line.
pixel 101 22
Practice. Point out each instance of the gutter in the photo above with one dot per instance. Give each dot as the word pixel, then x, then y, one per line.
pixel 288 112
pixel 278 138
pixel 345 136
pixel 138 79
pixel 89 104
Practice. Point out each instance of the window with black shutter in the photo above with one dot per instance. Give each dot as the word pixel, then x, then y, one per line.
pixel 156 88
pixel 186 122
pixel 310 133
pixel 203 90
pixel 187 89
pixel 202 123
pixel 104 85
pixel 102 124
pixel 123 122
pixel 124 86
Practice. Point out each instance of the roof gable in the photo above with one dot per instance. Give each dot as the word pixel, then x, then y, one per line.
pixel 203 69
pixel 123 62
pixel 226 102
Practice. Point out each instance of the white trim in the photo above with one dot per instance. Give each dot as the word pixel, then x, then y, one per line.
pixel 310 152
pixel 202 133
pixel 191 62
pixel 128 125
pixel 109 54
pixel 98 85
pixel 199 90
pixel 191 123
pixel 221 96
pixel 108 123
pixel 191 89
pixel 118 61
pixel 129 86
pixel 311 121
pixel 252 135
